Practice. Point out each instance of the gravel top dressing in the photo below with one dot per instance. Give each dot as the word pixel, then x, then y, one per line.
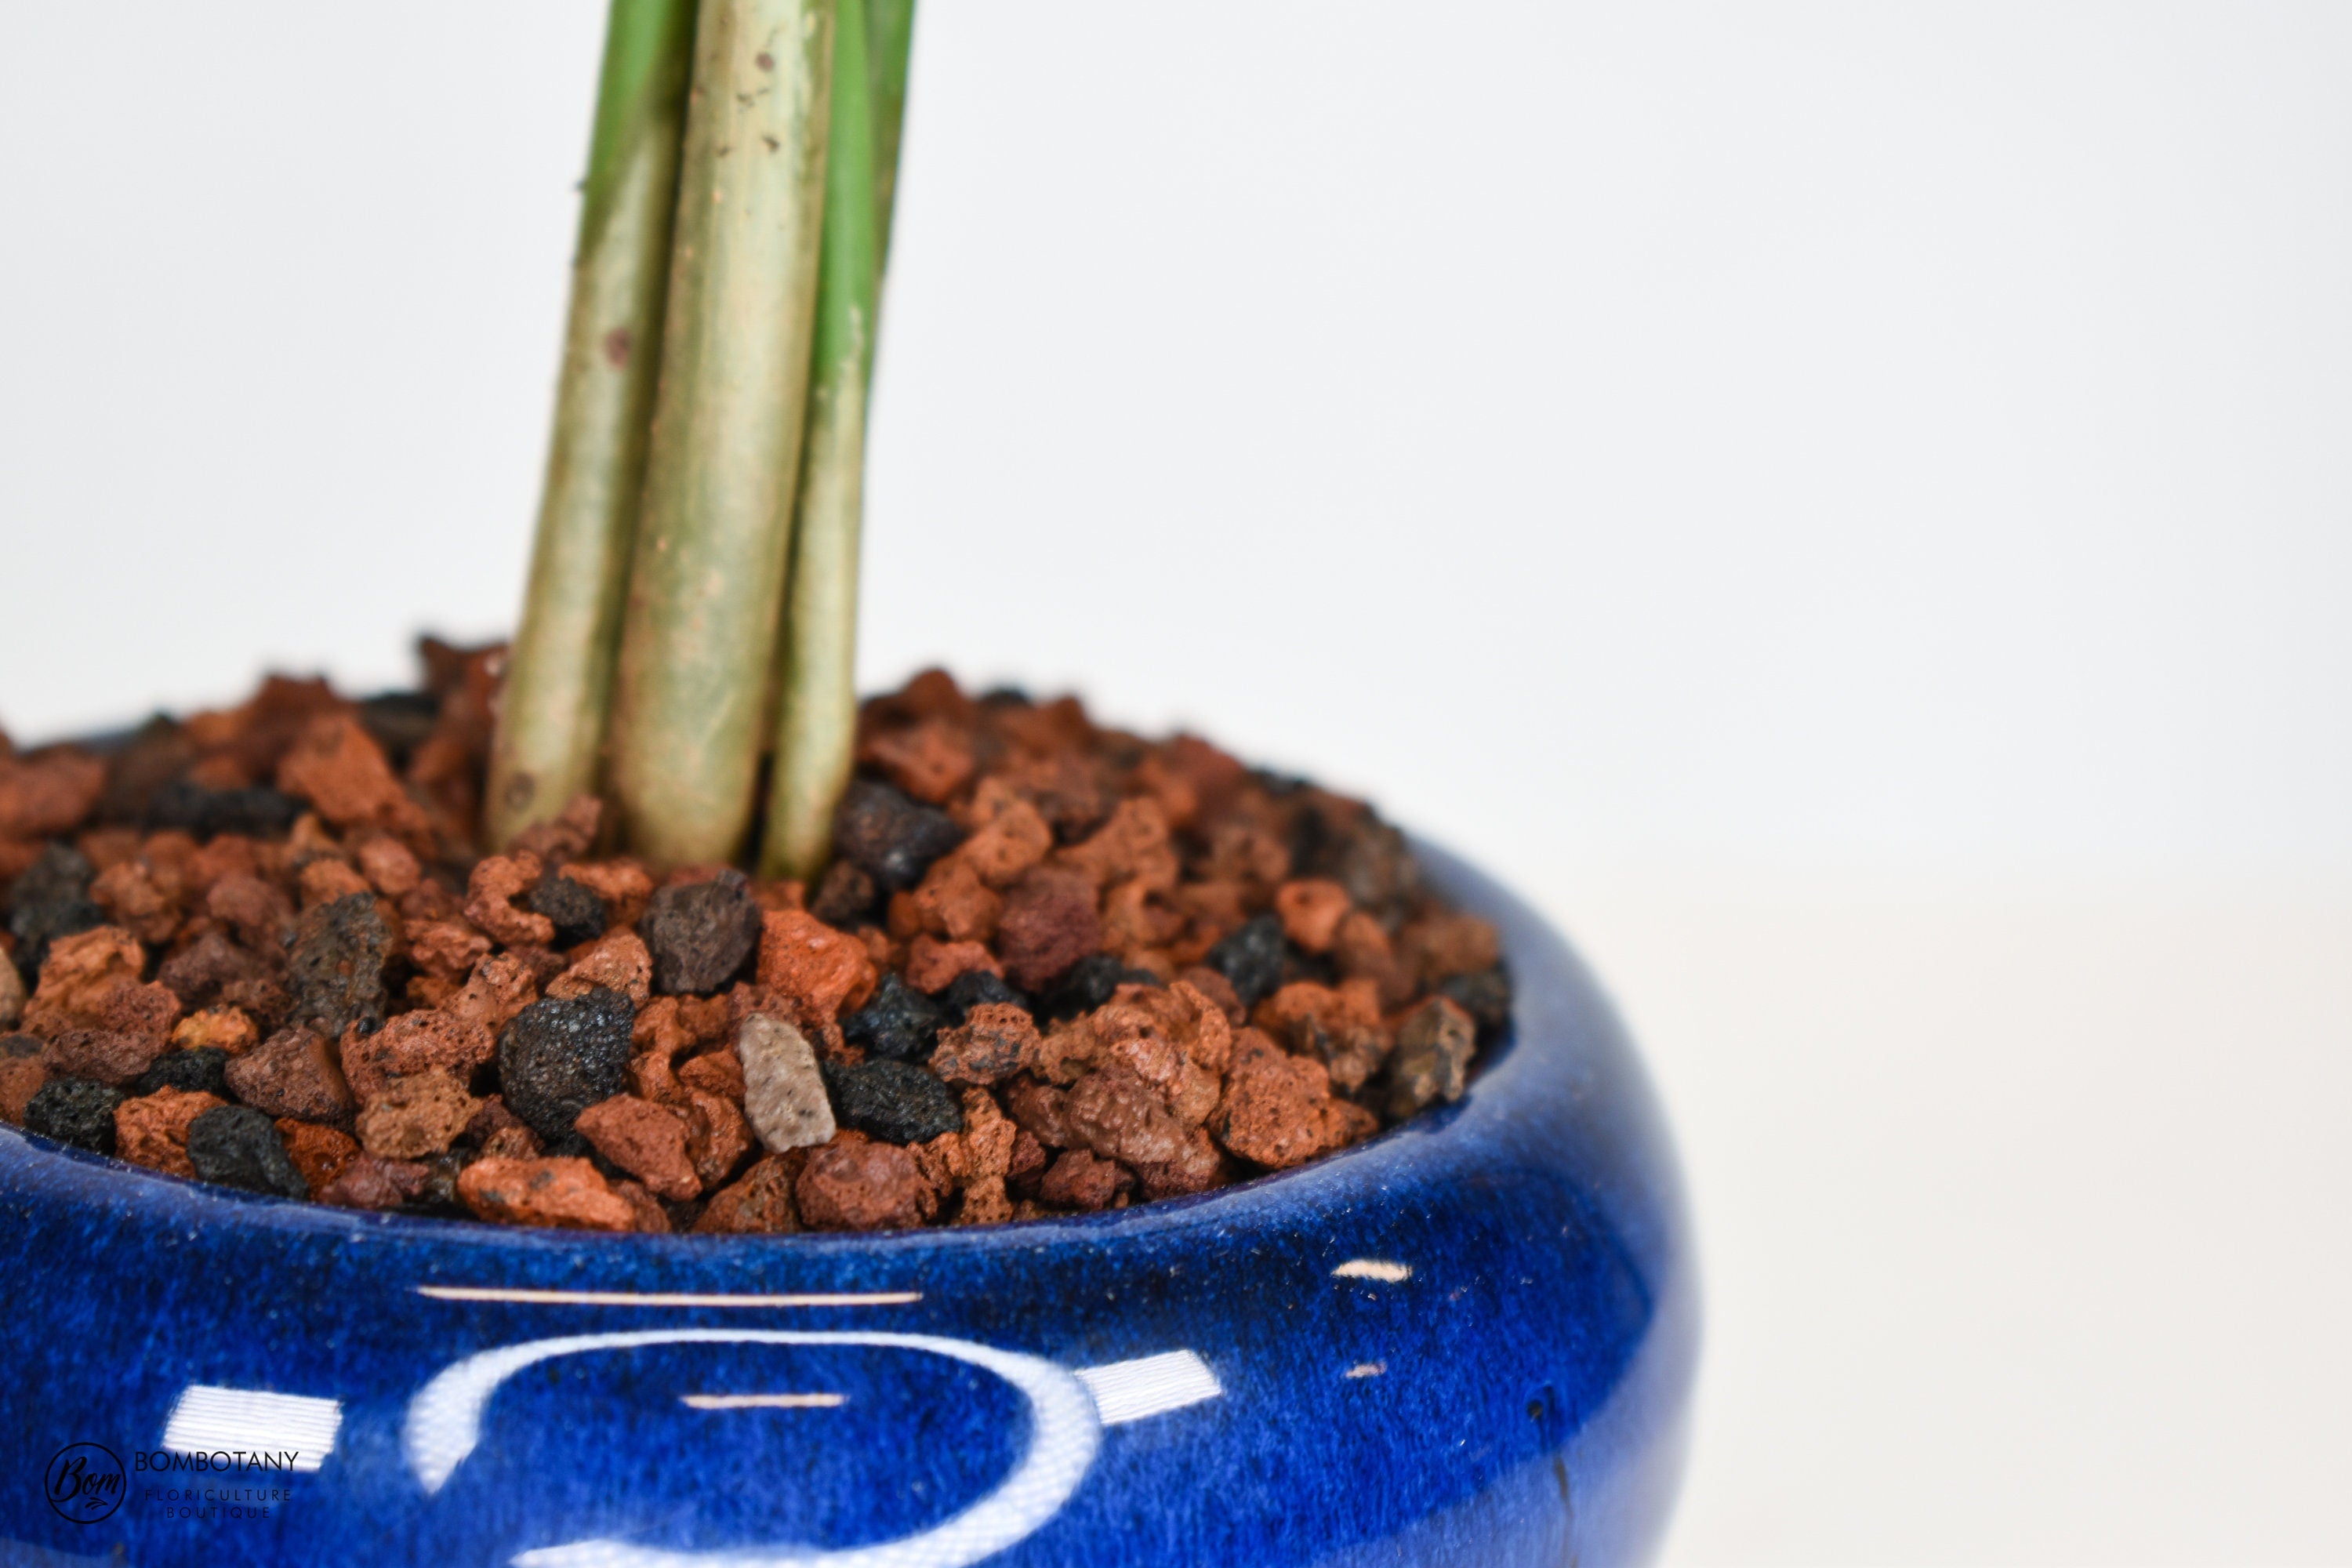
pixel 1050 968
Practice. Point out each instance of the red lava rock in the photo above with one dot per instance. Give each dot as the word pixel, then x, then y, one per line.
pixel 646 1213
pixel 1049 923
pixel 102 1056
pixel 859 1185
pixel 933 965
pixel 449 949
pixel 133 899
pixel 229 1029
pixel 153 1131
pixel 321 1153
pixel 1197 1167
pixel 419 1042
pixel 988 1047
pixel 1120 1115
pixel 260 917
pixel 389 865
pixel 338 767
pixel 645 1139
pixel 412 1117
pixel 1362 951
pixel 952 903
pixel 1439 947
pixel 1311 909
pixel 718 1072
pixel 368 1182
pixel 293 1074
pixel 1278 1110
pixel 929 761
pixel 500 987
pixel 1219 991
pixel 820 969
pixel 716 1135
pixel 759 1202
pixel 90 981
pixel 21 1073
pixel 617 961
pixel 1081 1180
pixel 12 991
pixel 1007 836
pixel 48 793
pixel 492 888
pixel 565 1193
pixel 1131 846
pixel 323 881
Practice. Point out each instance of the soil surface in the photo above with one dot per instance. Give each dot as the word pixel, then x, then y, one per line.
pixel 1053 968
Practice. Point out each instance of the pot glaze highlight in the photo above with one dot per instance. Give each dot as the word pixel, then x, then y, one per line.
pixel 1469 1340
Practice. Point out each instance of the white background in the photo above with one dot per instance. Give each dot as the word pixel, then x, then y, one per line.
pixel 1848 506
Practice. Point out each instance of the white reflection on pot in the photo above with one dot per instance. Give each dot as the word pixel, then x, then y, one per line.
pixel 1380 1268
pixel 208 1418
pixel 444 1423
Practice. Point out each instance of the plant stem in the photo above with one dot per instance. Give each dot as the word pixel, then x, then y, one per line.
pixel 559 669
pixel 890 35
pixel 700 629
pixel 817 713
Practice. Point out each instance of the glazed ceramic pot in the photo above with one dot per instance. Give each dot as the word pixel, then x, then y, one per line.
pixel 1468 1341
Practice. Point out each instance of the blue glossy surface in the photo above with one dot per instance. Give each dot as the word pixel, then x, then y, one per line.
pixel 1469 1340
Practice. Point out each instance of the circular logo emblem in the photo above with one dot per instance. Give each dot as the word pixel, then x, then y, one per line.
pixel 84 1483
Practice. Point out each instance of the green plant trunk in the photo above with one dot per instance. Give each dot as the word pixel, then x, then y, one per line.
pixel 890 34
pixel 560 669
pixel 817 718
pixel 706 583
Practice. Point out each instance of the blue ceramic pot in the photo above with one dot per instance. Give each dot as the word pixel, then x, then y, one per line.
pixel 1469 1340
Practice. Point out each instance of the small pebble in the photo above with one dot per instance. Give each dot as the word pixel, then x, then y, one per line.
pixel 1049 923
pixel 890 838
pixel 898 1024
pixel 979 988
pixel 577 912
pixel 74 1111
pixel 785 1094
pixel 237 1146
pixel 1432 1055
pixel 561 1055
pixel 893 1100
pixel 1251 959
pixel 700 933
pixel 1486 996
pixel 335 970
pixel 863 1186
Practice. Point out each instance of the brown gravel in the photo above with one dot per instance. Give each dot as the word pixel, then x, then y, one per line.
pixel 1124 969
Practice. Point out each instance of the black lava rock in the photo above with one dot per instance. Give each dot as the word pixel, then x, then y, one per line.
pixel 1251 958
pixel 699 934
pixel 74 1111
pixel 237 1146
pixel 975 987
pixel 258 813
pixel 49 899
pixel 1089 983
pixel 561 1055
pixel 889 837
pixel 845 896
pixel 577 911
pixel 900 1024
pixel 335 971
pixel 203 1068
pixel 1486 996
pixel 893 1100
